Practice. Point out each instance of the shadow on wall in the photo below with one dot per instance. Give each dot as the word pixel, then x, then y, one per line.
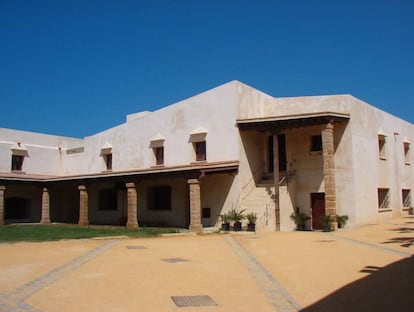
pixel 385 289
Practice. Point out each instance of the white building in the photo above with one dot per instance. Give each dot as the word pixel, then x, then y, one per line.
pixel 189 162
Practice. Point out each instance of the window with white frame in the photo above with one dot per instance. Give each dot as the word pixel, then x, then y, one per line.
pixel 383 198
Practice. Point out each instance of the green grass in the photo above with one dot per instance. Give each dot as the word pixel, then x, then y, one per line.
pixel 38 233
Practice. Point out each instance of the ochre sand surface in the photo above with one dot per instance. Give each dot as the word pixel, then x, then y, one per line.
pixel 370 268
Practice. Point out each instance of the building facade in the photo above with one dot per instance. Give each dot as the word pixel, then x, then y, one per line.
pixel 232 147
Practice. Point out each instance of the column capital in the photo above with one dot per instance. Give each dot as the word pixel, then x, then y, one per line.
pixel 2 188
pixel 193 181
pixel 81 187
pixel 330 124
pixel 130 185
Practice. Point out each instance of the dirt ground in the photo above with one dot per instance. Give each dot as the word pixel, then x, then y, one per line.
pixel 370 268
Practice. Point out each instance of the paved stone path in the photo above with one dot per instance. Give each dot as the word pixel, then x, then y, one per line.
pixel 14 301
pixel 370 266
pixel 276 294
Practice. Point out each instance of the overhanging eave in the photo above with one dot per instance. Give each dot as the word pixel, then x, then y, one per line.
pixel 280 123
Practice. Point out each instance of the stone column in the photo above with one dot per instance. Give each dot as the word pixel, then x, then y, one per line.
pixel 195 206
pixel 83 206
pixel 132 202
pixel 329 172
pixel 45 207
pixel 2 189
pixel 276 180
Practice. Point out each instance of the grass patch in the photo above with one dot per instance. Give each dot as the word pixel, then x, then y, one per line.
pixel 38 232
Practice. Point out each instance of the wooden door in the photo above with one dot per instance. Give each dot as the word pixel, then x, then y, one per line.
pixel 318 210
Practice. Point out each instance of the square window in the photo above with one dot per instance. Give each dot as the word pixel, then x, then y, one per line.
pixel 159 197
pixel 206 213
pixel 383 198
pixel 17 162
pixel 382 146
pixel 108 199
pixel 316 143
pixel 200 151
pixel 406 198
pixel 159 155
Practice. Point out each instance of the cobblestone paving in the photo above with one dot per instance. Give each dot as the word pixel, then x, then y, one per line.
pixel 276 294
pixel 14 300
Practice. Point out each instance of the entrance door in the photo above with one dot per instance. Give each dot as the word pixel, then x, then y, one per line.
pixel 318 210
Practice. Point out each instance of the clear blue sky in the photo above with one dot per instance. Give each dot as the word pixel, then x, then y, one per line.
pixel 75 68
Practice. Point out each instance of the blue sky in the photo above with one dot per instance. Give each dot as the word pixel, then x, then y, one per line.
pixel 75 68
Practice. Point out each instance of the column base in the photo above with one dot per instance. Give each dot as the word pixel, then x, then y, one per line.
pixel 83 223
pixel 196 228
pixel 333 226
pixel 132 225
pixel 44 221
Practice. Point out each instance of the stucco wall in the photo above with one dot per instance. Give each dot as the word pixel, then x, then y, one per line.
pixel 370 171
pixel 214 110
pixel 44 152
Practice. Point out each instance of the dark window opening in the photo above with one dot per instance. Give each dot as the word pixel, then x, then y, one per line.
pixel 159 197
pixel 381 146
pixel 316 144
pixel 407 153
pixel 281 138
pixel 383 198
pixel 108 161
pixel 17 162
pixel 200 151
pixel 16 208
pixel 406 198
pixel 108 199
pixel 206 213
pixel 159 155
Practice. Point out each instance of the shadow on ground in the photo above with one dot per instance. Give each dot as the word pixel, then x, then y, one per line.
pixel 404 241
pixel 385 289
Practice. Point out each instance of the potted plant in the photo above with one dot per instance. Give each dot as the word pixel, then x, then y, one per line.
pixel 236 217
pixel 251 217
pixel 326 222
pixel 341 220
pixel 300 220
pixel 225 221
